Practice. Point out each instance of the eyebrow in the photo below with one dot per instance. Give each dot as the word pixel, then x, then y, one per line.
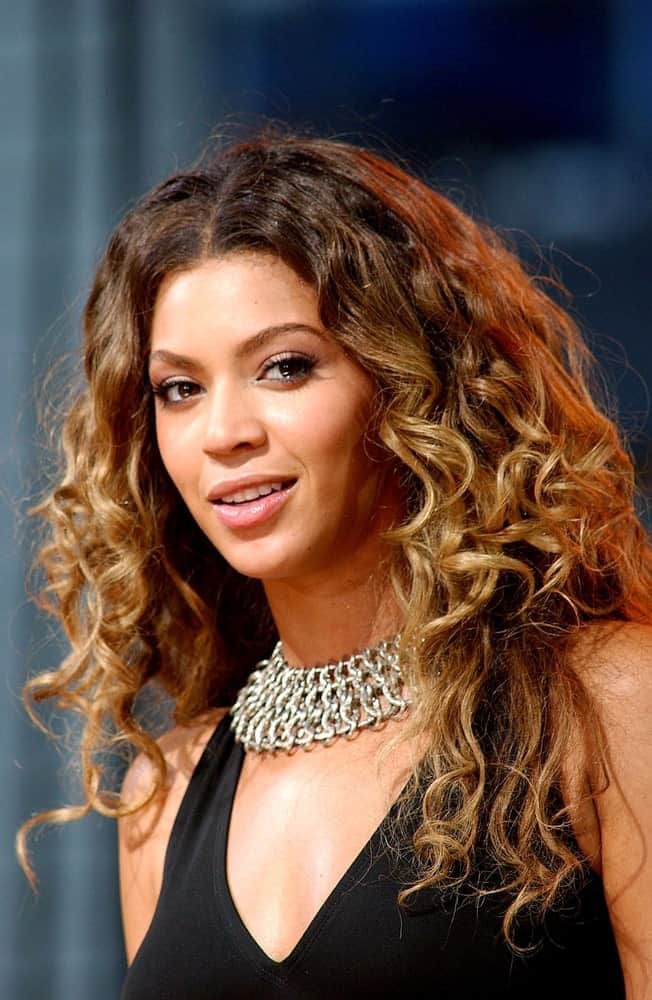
pixel 244 349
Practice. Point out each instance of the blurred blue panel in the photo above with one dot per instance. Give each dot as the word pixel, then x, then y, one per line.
pixel 538 69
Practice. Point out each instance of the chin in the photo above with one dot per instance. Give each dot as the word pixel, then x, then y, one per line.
pixel 260 565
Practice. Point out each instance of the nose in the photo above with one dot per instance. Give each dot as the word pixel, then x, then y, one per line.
pixel 232 423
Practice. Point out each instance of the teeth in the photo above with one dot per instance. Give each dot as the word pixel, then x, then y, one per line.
pixel 242 496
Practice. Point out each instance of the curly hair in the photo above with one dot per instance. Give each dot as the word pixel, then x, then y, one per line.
pixel 519 526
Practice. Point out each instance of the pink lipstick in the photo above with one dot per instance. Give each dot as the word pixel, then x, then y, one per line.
pixel 250 512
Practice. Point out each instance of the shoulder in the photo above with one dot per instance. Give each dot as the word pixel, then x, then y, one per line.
pixel 614 662
pixel 615 665
pixel 143 834
pixel 181 748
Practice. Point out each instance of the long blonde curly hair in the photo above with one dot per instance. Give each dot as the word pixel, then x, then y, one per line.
pixel 519 526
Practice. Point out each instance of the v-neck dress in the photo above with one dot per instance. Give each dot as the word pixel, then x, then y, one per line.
pixel 360 943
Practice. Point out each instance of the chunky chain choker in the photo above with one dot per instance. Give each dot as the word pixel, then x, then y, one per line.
pixel 283 707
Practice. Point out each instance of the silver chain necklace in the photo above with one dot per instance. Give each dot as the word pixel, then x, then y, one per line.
pixel 283 707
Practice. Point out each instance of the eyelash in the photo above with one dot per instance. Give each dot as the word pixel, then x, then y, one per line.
pixel 304 362
pixel 162 389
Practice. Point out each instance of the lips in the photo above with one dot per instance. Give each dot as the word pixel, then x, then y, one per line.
pixel 252 493
pixel 248 504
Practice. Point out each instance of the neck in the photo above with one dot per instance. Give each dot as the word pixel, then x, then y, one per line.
pixel 323 620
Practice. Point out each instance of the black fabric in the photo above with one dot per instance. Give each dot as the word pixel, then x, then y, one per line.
pixel 360 943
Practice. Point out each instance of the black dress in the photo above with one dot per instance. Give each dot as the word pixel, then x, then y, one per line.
pixel 360 943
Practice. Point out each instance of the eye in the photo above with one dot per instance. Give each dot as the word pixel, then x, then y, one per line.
pixel 175 391
pixel 288 367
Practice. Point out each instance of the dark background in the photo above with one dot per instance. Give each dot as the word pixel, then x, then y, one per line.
pixel 533 114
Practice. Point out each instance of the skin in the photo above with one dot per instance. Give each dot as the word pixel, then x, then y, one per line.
pixel 243 417
pixel 318 560
pixel 616 664
pixel 227 411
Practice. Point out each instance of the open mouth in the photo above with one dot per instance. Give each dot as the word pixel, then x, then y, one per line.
pixel 254 493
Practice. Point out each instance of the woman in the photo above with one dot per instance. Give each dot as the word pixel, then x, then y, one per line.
pixel 325 407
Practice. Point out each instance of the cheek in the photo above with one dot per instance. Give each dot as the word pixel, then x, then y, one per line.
pixel 337 452
pixel 341 429
pixel 329 439
pixel 175 454
pixel 164 446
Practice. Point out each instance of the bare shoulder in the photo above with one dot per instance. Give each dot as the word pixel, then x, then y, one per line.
pixel 181 748
pixel 144 834
pixel 614 660
pixel 615 663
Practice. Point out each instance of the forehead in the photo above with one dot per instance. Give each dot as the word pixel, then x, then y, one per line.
pixel 240 292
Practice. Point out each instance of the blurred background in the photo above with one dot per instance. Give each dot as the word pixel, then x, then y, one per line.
pixel 533 114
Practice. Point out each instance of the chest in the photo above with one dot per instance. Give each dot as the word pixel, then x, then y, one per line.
pixel 297 826
pixel 359 942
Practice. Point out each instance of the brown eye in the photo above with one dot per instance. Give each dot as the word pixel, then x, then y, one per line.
pixel 288 368
pixel 184 389
pixel 176 391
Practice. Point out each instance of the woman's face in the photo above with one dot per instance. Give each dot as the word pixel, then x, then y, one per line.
pixel 261 421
